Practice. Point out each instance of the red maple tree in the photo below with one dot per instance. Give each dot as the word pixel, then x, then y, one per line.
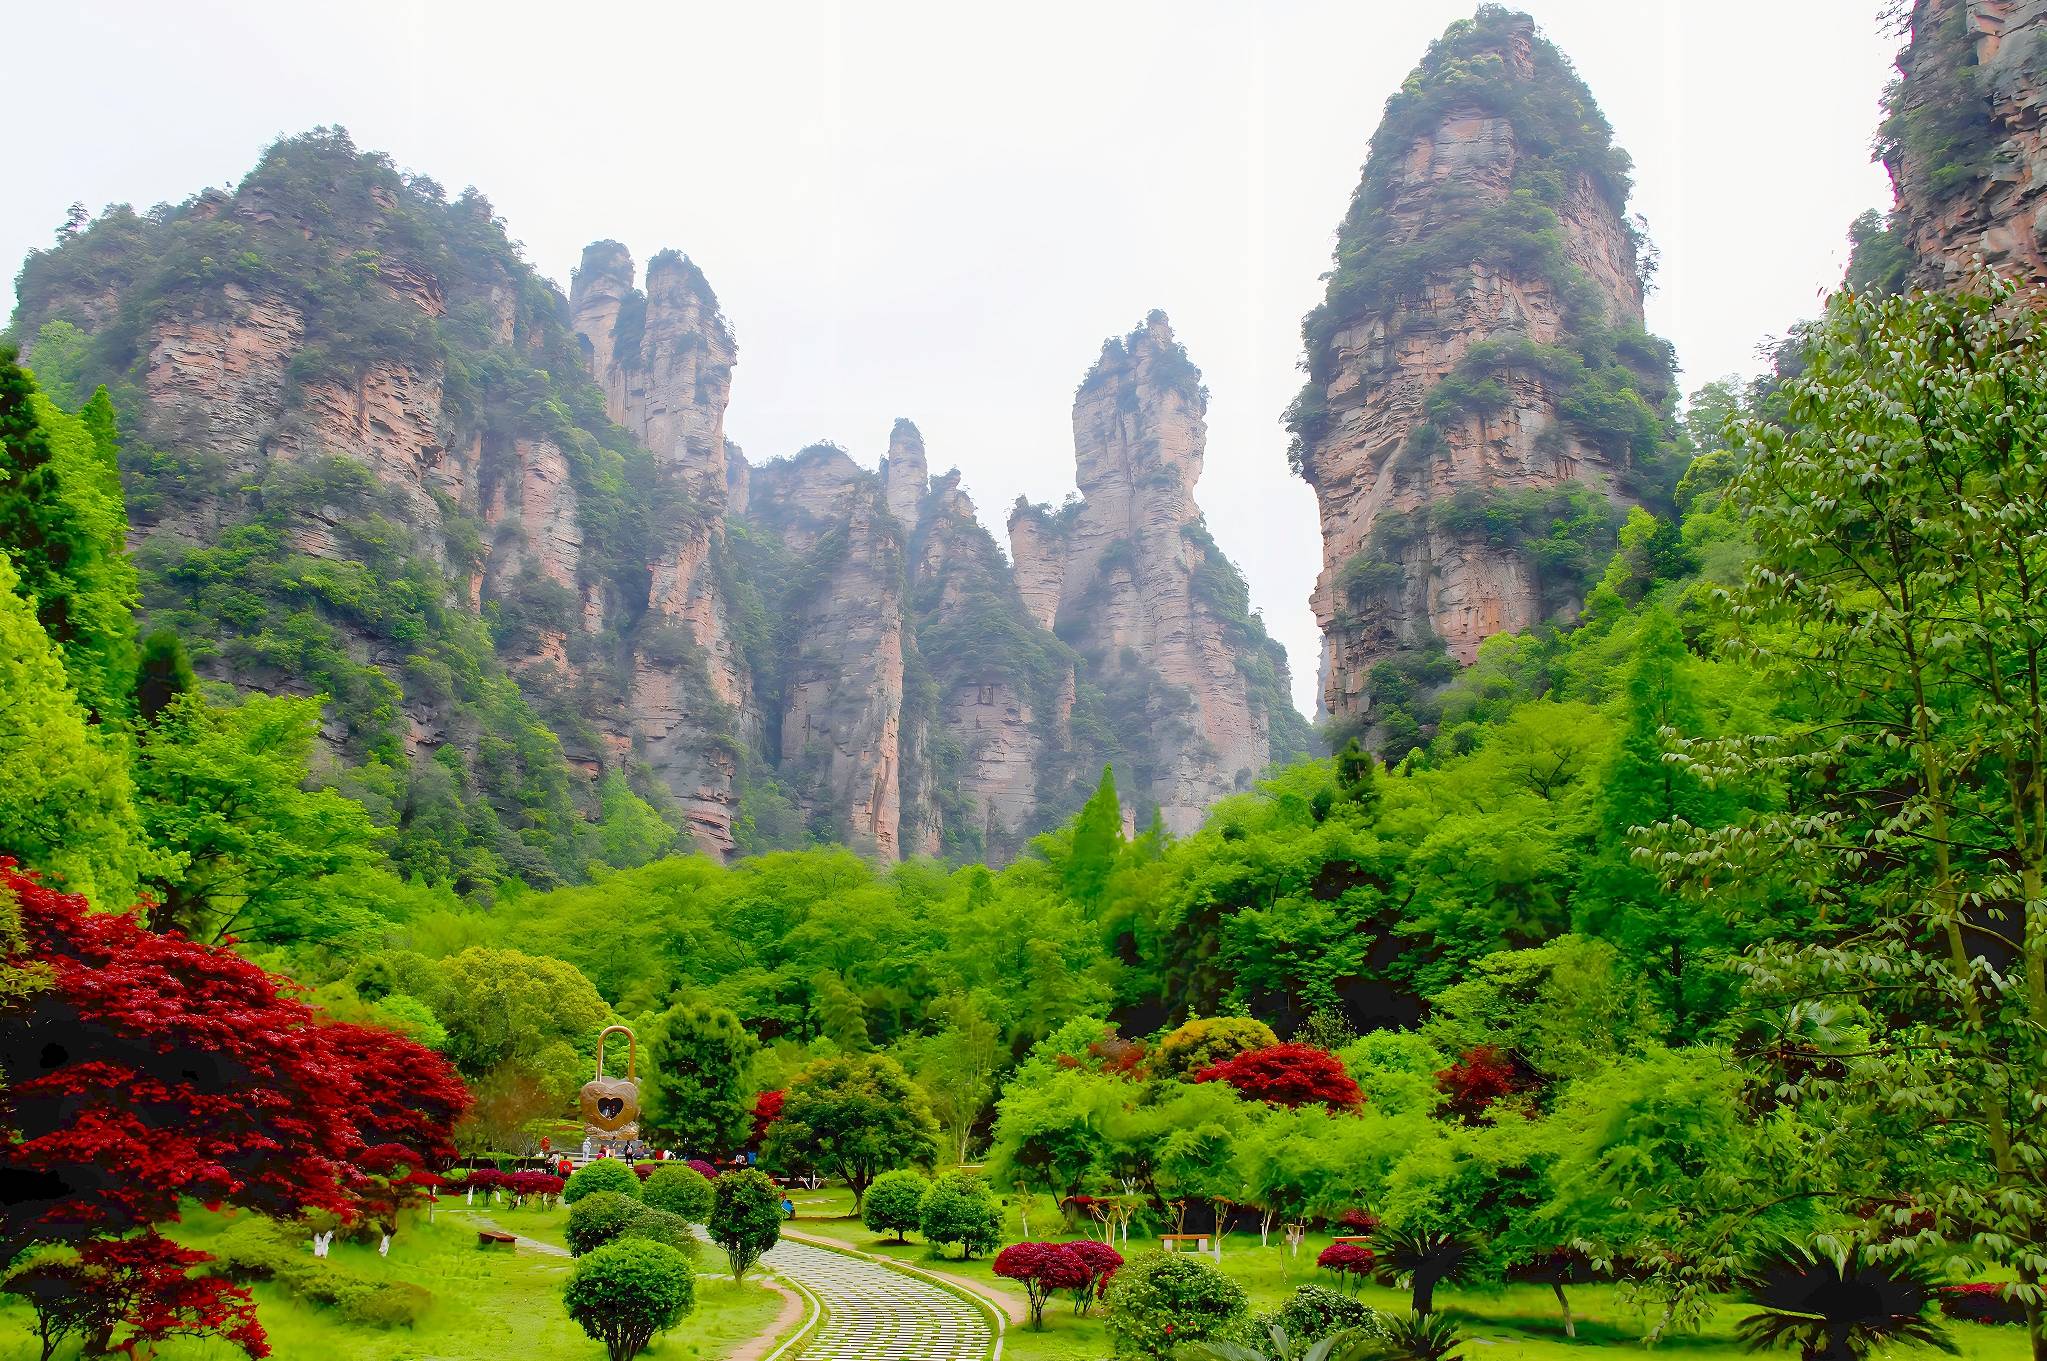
pixel 149 1069
pixel 1102 1263
pixel 1481 1076
pixel 1287 1075
pixel 767 1109
pixel 1044 1269
pixel 1350 1263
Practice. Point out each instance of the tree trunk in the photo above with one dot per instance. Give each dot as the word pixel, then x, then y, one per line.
pixel 1424 1294
pixel 1564 1303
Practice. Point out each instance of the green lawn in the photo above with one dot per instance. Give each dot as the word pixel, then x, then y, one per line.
pixel 1520 1323
pixel 487 1304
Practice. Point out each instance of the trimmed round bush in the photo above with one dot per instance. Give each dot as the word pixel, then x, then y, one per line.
pixel 1160 1300
pixel 606 1174
pixel 894 1204
pixel 1314 1312
pixel 600 1218
pixel 659 1226
pixel 680 1190
pixel 625 1292
pixel 746 1218
pixel 959 1209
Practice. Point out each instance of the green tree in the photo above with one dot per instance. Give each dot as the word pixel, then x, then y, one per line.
pixel 1899 596
pixel 957 1067
pixel 65 805
pixel 629 831
pixel 695 1092
pixel 163 671
pixel 1097 842
pixel 894 1203
pixel 519 1022
pixel 959 1208
pixel 625 1292
pixel 855 1118
pixel 746 1218
pixel 224 786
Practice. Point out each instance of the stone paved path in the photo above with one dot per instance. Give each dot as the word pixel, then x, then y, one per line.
pixel 875 1314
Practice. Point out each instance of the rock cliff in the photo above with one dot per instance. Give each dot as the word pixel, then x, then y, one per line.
pixel 1965 139
pixel 1191 685
pixel 1482 400
pixel 376 457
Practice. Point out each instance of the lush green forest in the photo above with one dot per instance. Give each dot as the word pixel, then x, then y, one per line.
pixel 1708 926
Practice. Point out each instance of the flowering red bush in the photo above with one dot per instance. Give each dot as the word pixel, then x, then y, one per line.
pixel 151 1069
pixel 1102 1263
pixel 1287 1075
pixel 1359 1221
pixel 1481 1076
pixel 708 1172
pixel 767 1109
pixel 1043 1268
pixel 1350 1263
pixel 1979 1302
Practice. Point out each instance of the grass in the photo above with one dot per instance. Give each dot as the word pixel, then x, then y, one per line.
pixel 1517 1323
pixel 487 1304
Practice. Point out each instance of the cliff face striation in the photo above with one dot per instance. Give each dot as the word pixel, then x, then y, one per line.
pixel 373 456
pixel 1482 400
pixel 1131 580
pixel 1965 139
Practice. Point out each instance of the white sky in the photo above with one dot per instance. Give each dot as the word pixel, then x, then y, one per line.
pixel 940 210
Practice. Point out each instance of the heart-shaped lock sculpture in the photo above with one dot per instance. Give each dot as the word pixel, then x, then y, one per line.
pixel 611 1105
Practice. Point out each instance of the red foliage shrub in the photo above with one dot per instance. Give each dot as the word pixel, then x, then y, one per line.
pixel 1359 1221
pixel 1102 1263
pixel 767 1109
pixel 1481 1076
pixel 144 1284
pixel 644 1170
pixel 1346 1259
pixel 1043 1268
pixel 1118 1057
pixel 534 1184
pixel 487 1179
pixel 151 1069
pixel 1979 1302
pixel 1287 1075
pixel 708 1172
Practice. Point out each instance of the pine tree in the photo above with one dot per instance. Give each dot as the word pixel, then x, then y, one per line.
pixel 1097 841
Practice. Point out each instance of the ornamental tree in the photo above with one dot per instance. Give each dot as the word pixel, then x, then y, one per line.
pixel 1350 1263
pixel 960 1209
pixel 137 1292
pixel 1044 1269
pixel 1102 1263
pixel 695 1095
pixel 1202 1044
pixel 605 1174
pixel 746 1218
pixel 767 1109
pixel 152 1069
pixel 1481 1076
pixel 679 1189
pixel 895 1203
pixel 625 1292
pixel 1163 1300
pixel 1287 1075
pixel 854 1117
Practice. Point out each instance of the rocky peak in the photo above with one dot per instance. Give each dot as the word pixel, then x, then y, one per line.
pixel 904 473
pixel 1160 618
pixel 1966 139
pixel 1478 372
pixel 663 357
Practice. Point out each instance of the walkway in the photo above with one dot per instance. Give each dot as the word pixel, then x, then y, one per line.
pixel 874 1313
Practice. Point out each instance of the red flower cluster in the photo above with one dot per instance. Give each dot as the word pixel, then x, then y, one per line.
pixel 1481 1076
pixel 1043 1268
pixel 1287 1075
pixel 767 1109
pixel 1360 1221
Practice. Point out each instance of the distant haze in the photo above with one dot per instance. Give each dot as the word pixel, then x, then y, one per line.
pixel 940 210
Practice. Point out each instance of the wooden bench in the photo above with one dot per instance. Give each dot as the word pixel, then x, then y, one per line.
pixel 494 1238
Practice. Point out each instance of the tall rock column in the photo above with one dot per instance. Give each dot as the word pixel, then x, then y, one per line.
pixel 1192 685
pixel 1479 379
pixel 1966 139
pixel 664 359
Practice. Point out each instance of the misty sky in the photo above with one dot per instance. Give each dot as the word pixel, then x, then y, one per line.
pixel 940 210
